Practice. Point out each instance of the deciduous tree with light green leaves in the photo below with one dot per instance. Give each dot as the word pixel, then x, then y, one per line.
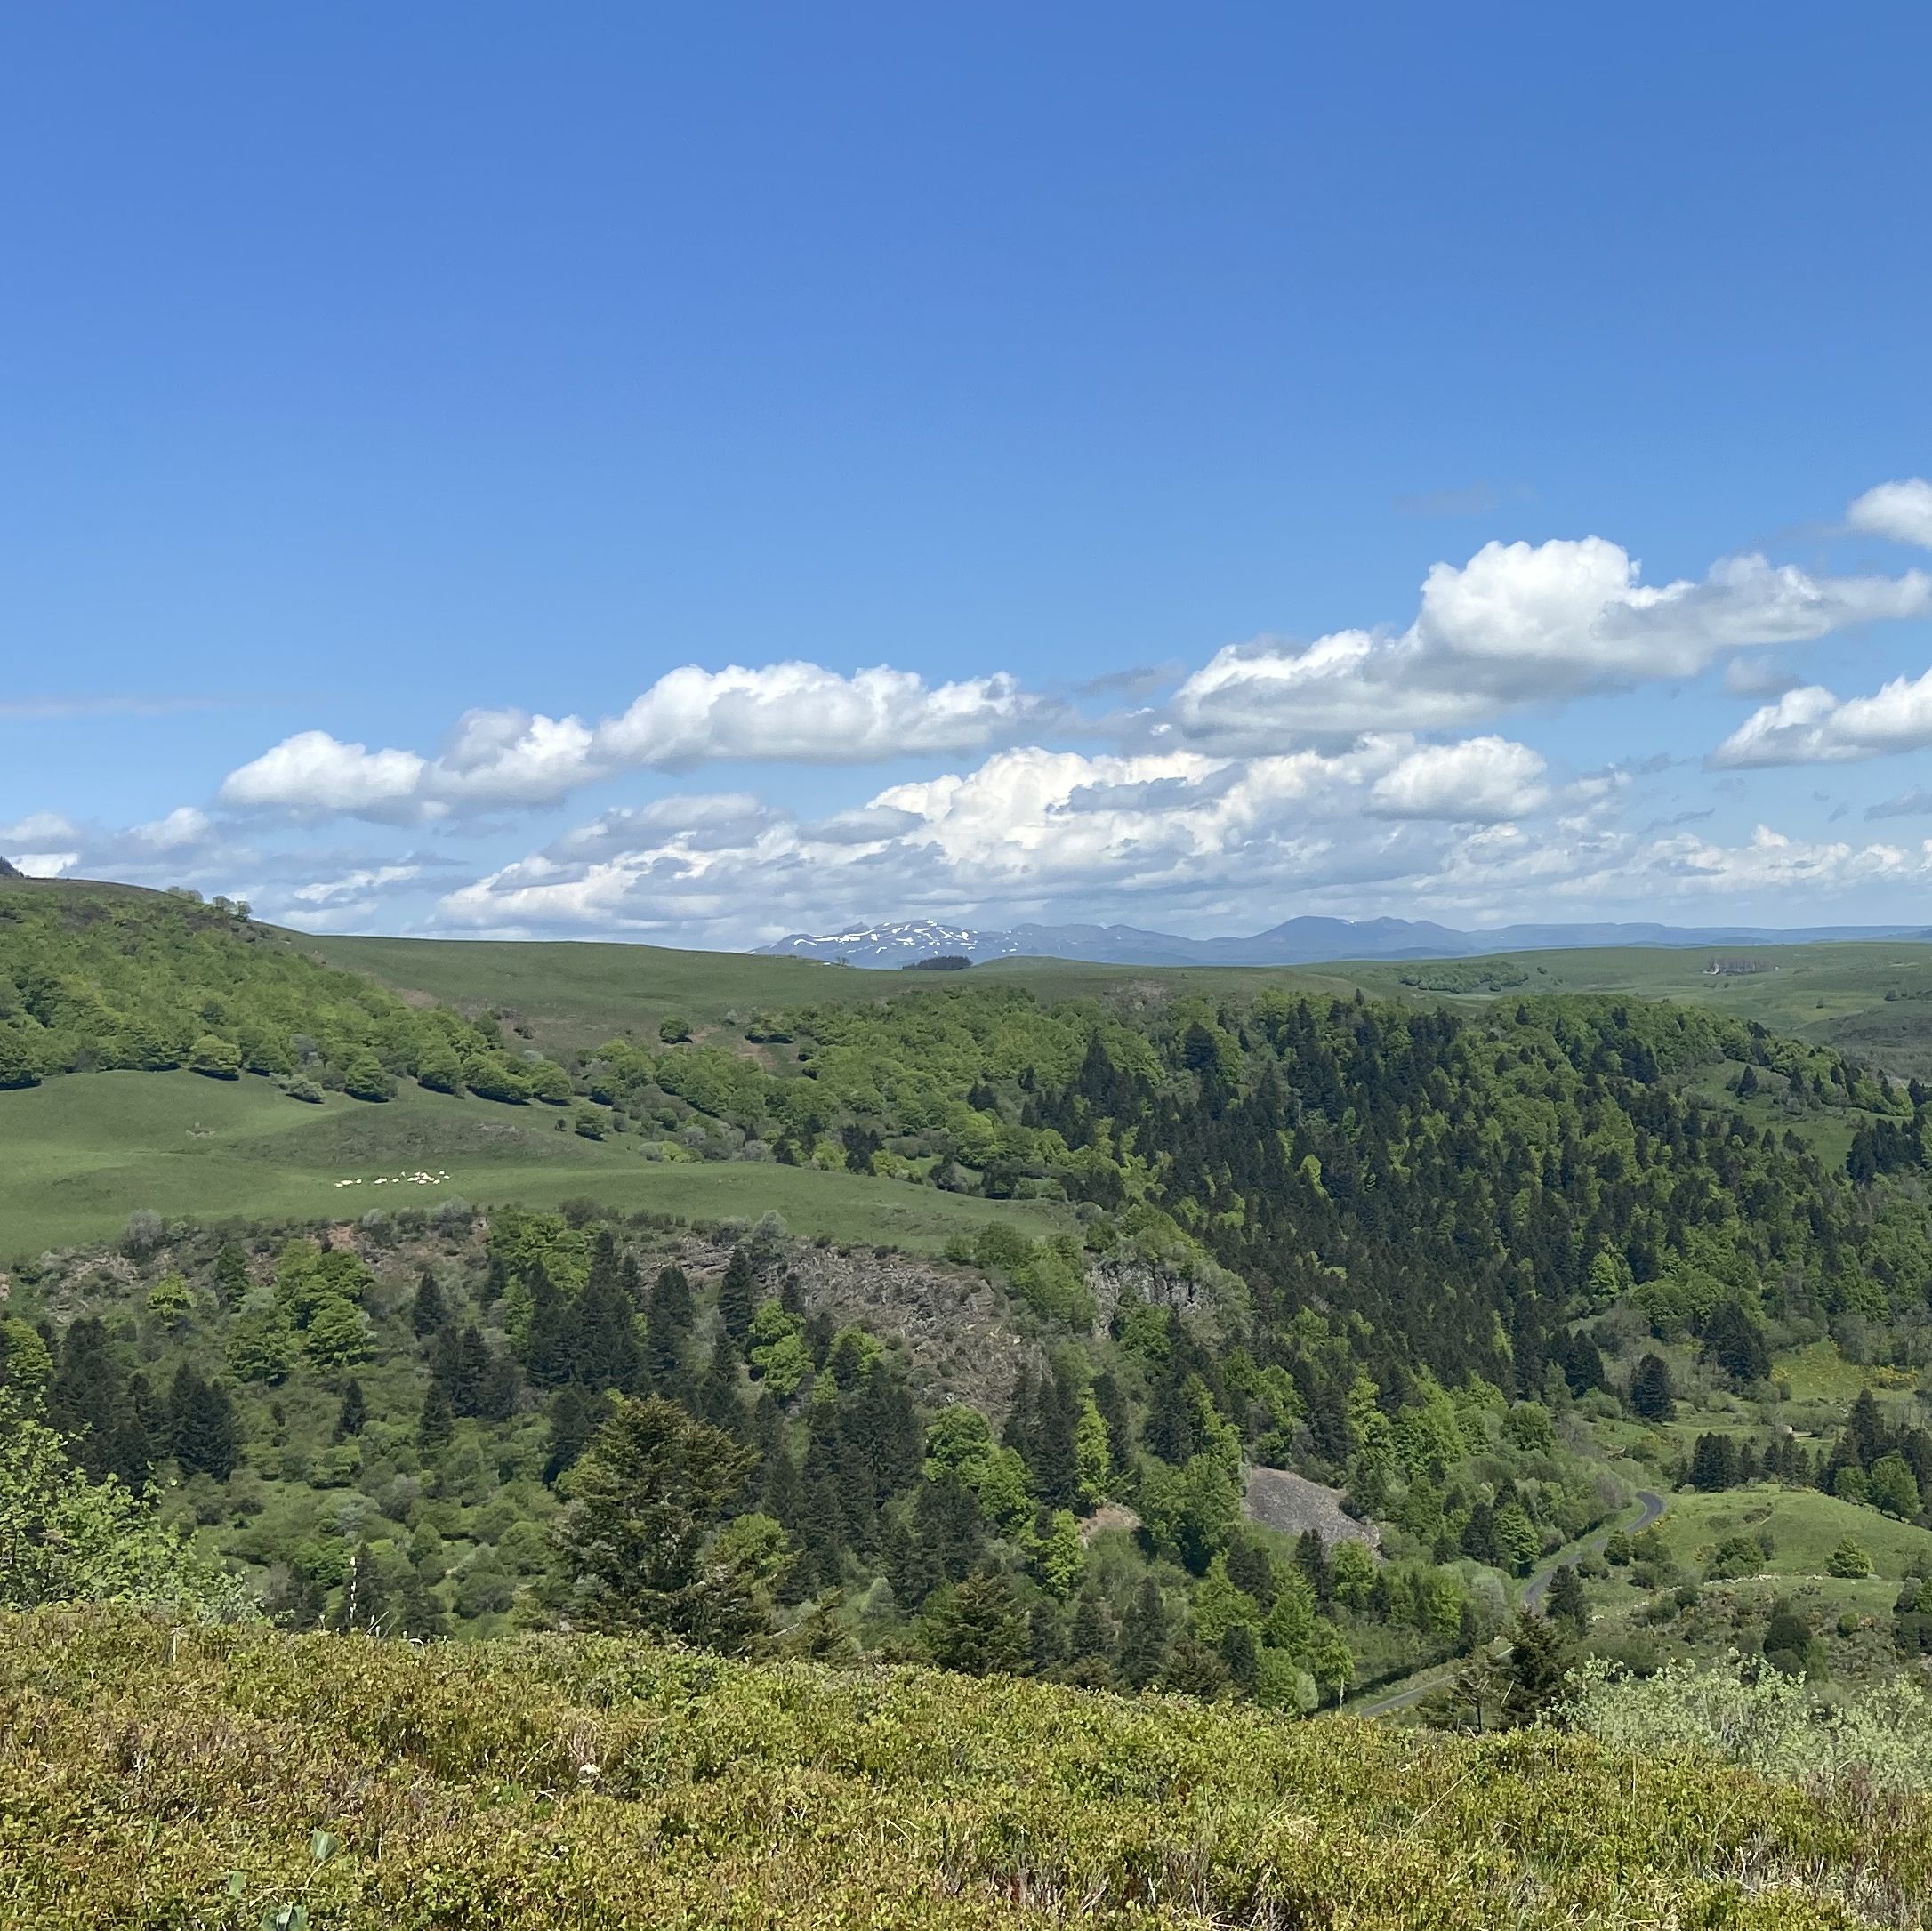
pixel 64 1539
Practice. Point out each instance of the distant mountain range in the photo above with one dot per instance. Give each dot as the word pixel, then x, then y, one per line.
pixel 10 872
pixel 1306 941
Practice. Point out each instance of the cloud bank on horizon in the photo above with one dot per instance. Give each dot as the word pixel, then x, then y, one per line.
pixel 1431 769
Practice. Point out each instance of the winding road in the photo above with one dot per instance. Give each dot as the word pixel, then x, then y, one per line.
pixel 1650 1507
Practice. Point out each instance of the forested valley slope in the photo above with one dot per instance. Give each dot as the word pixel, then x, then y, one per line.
pixel 1512 1363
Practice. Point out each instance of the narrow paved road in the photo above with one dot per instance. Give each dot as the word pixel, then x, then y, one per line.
pixel 1650 1507
pixel 1538 1585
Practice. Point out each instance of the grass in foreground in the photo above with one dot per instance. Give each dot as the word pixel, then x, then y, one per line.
pixel 153 1775
pixel 77 1156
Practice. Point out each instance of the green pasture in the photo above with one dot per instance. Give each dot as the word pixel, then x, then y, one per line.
pixel 1872 1000
pixel 1805 1527
pixel 571 993
pixel 580 993
pixel 78 1155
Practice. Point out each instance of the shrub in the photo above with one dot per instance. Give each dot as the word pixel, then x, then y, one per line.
pixel 217 1059
pixel 1848 1560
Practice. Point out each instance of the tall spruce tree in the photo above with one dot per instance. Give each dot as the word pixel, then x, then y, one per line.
pixel 573 1423
pixel 738 1295
pixel 437 1424
pixel 352 1416
pixel 204 1430
pixel 668 1320
pixel 1142 1655
pixel 427 1312
pixel 1651 1395
pixel 645 1497
pixel 1566 1601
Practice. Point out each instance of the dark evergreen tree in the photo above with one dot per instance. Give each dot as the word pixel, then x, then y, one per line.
pixel 1566 1600
pixel 716 1399
pixel 647 1495
pixel 668 1319
pixel 1240 1657
pixel 498 1388
pixel 86 1396
pixel 948 1526
pixel 1582 1363
pixel 551 1350
pixel 1866 1430
pixel 1046 1637
pixel 784 1494
pixel 821 1535
pixel 416 1612
pixel 574 1419
pixel 204 1430
pixel 428 1312
pixel 738 1295
pixel 1194 1669
pixel 976 1627
pixel 352 1416
pixel 1536 1669
pixel 607 1354
pixel 910 1566
pixel 1170 1431
pixel 1142 1655
pixel 1251 1568
pixel 1736 1343
pixel 1651 1395
pixel 437 1422
pixel 1479 1540
pixel 1713 1463
pixel 141 1435
pixel 1311 1558
pixel 1091 1633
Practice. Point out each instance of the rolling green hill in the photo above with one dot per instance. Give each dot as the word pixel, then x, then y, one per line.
pixel 78 1155
pixel 579 993
pixel 1872 1001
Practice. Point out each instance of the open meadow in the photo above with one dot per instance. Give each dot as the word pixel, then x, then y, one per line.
pixel 1872 1001
pixel 80 1154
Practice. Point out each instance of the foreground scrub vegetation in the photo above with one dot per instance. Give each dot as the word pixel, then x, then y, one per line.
pixel 153 1774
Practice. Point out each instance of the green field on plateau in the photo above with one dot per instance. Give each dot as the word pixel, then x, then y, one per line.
pixel 81 1154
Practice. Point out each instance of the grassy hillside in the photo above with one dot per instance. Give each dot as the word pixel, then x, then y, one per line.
pixel 578 994
pixel 571 994
pixel 1872 1000
pixel 77 1156
pixel 152 1776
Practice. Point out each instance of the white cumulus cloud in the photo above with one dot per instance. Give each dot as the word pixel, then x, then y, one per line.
pixel 1029 829
pixel 1901 511
pixel 313 775
pixel 791 712
pixel 1519 623
pixel 1811 725
pixel 1482 779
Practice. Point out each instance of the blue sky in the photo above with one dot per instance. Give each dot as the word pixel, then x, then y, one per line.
pixel 694 474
